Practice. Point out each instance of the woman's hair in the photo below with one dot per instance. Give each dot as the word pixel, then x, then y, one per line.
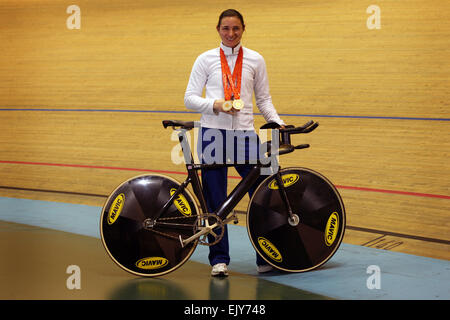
pixel 231 13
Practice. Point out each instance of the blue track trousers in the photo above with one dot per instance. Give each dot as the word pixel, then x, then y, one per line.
pixel 220 146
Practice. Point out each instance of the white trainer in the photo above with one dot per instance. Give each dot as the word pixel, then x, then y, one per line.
pixel 264 268
pixel 219 270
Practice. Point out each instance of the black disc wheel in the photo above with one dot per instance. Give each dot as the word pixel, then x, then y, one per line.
pixel 137 236
pixel 311 236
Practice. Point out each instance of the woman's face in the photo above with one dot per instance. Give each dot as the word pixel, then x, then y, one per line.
pixel 230 31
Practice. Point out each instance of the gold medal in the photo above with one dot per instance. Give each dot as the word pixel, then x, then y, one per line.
pixel 238 104
pixel 232 82
pixel 227 105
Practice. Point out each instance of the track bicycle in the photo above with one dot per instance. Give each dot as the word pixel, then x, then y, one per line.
pixel 151 224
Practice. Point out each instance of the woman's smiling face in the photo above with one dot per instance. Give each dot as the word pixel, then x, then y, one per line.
pixel 230 31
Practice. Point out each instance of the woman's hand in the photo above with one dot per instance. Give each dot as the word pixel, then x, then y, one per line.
pixel 218 107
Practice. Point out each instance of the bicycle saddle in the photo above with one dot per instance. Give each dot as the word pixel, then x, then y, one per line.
pixel 188 125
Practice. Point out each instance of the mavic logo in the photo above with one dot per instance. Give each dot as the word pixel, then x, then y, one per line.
pixel 288 180
pixel 116 208
pixel 331 229
pixel 152 263
pixel 181 203
pixel 270 249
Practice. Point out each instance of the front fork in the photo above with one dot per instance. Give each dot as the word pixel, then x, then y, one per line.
pixel 293 218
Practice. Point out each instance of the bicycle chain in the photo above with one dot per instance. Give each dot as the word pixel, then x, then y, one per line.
pixel 175 218
pixel 171 218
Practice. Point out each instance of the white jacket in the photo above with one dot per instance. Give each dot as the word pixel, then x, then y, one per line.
pixel 207 73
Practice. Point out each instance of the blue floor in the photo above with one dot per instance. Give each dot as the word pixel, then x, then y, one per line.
pixel 345 276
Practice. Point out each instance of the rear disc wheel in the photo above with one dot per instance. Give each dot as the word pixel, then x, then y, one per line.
pixel 126 233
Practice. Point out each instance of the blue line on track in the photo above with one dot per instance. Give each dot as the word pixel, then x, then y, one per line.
pixel 191 112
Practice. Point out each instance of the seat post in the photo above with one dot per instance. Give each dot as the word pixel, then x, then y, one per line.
pixel 187 153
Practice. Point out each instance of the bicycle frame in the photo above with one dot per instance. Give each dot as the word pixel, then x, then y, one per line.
pixel 235 195
pixel 282 146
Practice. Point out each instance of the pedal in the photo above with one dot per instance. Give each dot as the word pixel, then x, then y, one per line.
pixel 232 217
pixel 235 218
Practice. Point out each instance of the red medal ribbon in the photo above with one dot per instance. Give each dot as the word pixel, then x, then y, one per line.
pixel 231 83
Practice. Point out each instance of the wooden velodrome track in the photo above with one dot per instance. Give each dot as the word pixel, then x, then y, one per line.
pixel 381 97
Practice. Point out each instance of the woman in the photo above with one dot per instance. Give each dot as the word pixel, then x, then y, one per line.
pixel 230 75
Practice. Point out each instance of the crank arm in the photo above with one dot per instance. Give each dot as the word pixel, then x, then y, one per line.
pixel 203 231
